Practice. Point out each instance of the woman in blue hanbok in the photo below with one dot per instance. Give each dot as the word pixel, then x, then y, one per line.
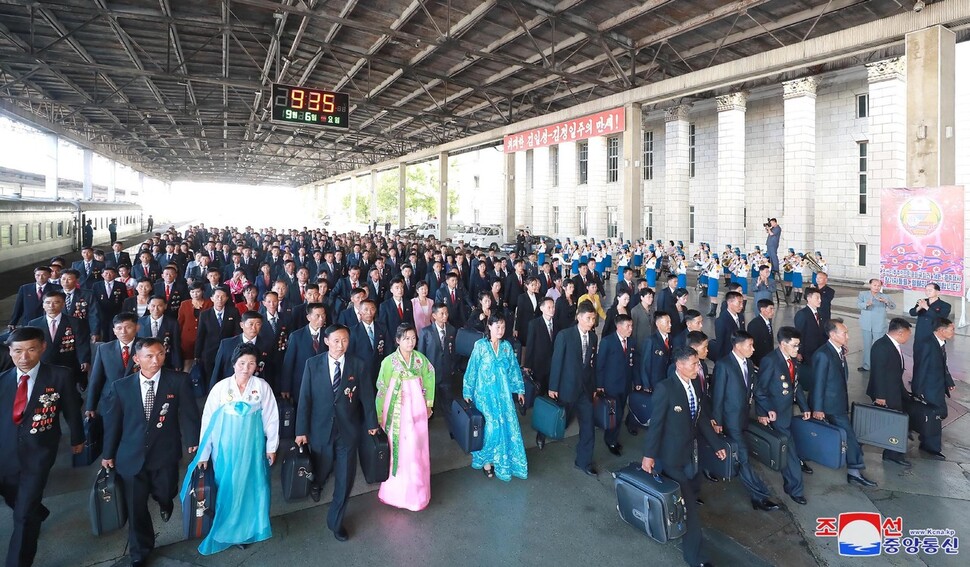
pixel 493 375
pixel 240 425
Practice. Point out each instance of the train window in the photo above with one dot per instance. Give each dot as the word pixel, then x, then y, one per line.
pixel 22 233
pixel 60 229
pixel 6 235
pixel 38 232
pixel 50 230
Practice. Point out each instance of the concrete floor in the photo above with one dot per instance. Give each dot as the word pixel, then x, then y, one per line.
pixel 560 516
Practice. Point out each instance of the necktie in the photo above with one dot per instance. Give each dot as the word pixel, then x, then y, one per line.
pixel 744 372
pixel 549 328
pixel 623 342
pixel 40 293
pixel 149 399
pixel 107 288
pixel 585 346
pixel 693 403
pixel 70 302
pixel 942 348
pixel 902 359
pixel 316 343
pixel 53 328
pixel 87 267
pixel 336 378
pixel 700 379
pixel 818 321
pixel 20 401
pixel 303 292
pixel 441 335
pixel 272 324
pixel 400 311
pixel 370 334
pixel 453 300
pixel 168 293
pixel 791 370
pixel 154 328
pixel 769 327
pixel 219 318
pixel 125 356
pixel 667 343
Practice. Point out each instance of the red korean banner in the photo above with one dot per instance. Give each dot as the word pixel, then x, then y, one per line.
pixel 599 124
pixel 922 238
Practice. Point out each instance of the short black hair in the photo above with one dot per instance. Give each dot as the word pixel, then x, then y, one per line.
pixel 831 325
pixel 787 334
pixel 250 315
pixel 695 338
pixel 738 337
pixel 24 334
pixel 622 318
pixel 942 323
pixel 765 303
pixel 898 323
pixel 125 317
pixel 682 353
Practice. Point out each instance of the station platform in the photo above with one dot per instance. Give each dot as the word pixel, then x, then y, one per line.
pixel 560 516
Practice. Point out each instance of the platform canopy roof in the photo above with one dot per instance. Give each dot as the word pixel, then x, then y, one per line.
pixel 179 89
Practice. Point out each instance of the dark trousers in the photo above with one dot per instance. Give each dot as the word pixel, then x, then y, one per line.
pixel 853 452
pixel 693 540
pixel 23 493
pixel 161 485
pixel 791 472
pixel 582 410
pixel 612 436
pixel 773 257
pixel 756 487
pixel 931 437
pixel 340 459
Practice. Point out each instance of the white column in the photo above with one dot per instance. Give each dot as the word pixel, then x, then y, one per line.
pixel 113 182
pixel 631 225
pixel 729 199
pixel 353 200
pixel 50 173
pixel 87 175
pixel 565 198
pixel 676 175
pixel 509 195
pixel 540 191
pixel 443 196
pixel 373 195
pixel 596 188
pixel 799 190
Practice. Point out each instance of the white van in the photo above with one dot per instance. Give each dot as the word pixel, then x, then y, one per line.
pixel 489 237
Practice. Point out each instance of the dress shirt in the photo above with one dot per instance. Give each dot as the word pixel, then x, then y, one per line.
pixel 144 385
pixel 31 380
pixel 332 362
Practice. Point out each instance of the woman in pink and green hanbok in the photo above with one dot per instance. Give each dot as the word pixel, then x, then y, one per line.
pixel 405 396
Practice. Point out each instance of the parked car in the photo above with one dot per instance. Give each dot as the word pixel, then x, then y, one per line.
pixel 489 237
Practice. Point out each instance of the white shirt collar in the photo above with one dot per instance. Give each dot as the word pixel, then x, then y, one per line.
pixel 741 361
pixel 896 343
pixel 939 340
pixel 687 386
pixel 143 380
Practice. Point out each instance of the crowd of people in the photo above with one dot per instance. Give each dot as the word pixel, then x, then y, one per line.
pixel 359 332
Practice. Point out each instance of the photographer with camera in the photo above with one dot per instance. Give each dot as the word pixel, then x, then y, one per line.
pixel 774 238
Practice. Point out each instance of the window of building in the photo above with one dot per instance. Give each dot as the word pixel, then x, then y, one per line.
pixel 692 148
pixel 648 222
pixel 582 220
pixel 529 169
pixel 862 254
pixel 863 180
pixel 6 235
pixel 612 159
pixel 647 156
pixel 862 106
pixel 50 230
pixel 38 232
pixel 555 220
pixel 22 233
pixel 612 222
pixel 554 166
pixel 690 231
pixel 582 154
pixel 60 229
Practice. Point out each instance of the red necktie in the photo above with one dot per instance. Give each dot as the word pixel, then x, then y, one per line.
pixel 700 378
pixel 316 343
pixel 667 343
pixel 168 293
pixel 400 311
pixel 453 300
pixel 20 401
pixel 791 369
pixel 818 321
pixel 125 356
pixel 40 293
pixel 624 346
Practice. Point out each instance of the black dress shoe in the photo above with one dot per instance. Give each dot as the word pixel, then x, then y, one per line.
pixel 540 441
pixel 633 431
pixel 315 493
pixel 590 470
pixel 165 514
pixel 764 505
pixel 807 469
pixel 615 449
pixel 798 500
pixel 138 563
pixel 934 455
pixel 861 480
pixel 898 461
pixel 861 369
pixel 341 534
pixel 711 477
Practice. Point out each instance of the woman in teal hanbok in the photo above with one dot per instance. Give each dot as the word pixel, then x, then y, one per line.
pixel 493 375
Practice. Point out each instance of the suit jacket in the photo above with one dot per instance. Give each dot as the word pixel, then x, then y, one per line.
pixel 442 359
pixel 209 335
pixel 730 395
pixel 764 340
pixel 671 435
pixel 539 347
pixel 654 361
pixel 825 309
pixel 89 277
pixel 569 375
pixel 136 444
pixel 643 325
pixel 830 378
pixel 105 370
pixel 513 289
pixel 926 318
pixel 873 317
pixel 348 317
pixel 169 333
pixel 299 349
pixel 27 306
pixel 615 368
pixel 621 286
pixel 85 307
pixel 319 415
pixel 178 294
pixel 153 273
pixel 931 376
pixel 547 282
pixel 25 448
pixel 456 308
pixel 886 375
pixel 371 356
pixel 812 335
pixel 109 304
pixel 724 326
pixel 342 291
pixel 665 302
pixel 524 314
pixel 123 258
pixel 389 317
pixel 434 281
pixel 70 346
pixel 776 391
pixel 265 368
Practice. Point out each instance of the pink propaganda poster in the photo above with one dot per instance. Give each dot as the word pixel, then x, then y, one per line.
pixel 922 238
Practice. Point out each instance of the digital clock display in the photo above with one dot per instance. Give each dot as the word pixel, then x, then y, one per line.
pixel 311 107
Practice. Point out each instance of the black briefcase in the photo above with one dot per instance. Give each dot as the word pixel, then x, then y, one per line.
pixel 93 442
pixel 766 445
pixel 287 418
pixel 920 414
pixel 466 425
pixel 650 503
pixel 880 426
pixel 296 473
pixel 708 461
pixel 375 456
pixel 641 407
pixel 199 504
pixel 106 507
pixel 604 412
pixel 465 341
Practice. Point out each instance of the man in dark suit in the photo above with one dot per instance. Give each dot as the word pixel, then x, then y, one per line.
pixel 830 398
pixel 146 267
pixel 582 281
pixel 336 403
pixel 146 453
pixel 540 338
pixel 250 323
pixel 733 389
pixel 303 344
pixel 112 361
pixel 654 358
pixel 117 256
pixel 726 324
pixel 527 309
pixel 66 337
pixel 80 304
pixel 615 369
pixel 437 342
pixel 827 294
pixel 345 286
pixel 435 278
pixel 454 297
pixel 172 289
pixel 693 321
pixel 676 423
pixel 808 321
pixel 215 324
pixel 30 297
pixel 396 309
pixel 886 386
pixel 928 311
pixel 573 378
pixel 158 324
pixel 665 300
pixel 775 393
pixel 933 383
pixel 515 284
pixel 761 329
pixel 88 269
pixel 110 296
pixel 627 284
pixel 376 285
pixel 33 397
pixel 370 340
pixel 350 316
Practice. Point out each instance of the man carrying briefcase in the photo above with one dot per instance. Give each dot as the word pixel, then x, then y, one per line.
pixel 886 380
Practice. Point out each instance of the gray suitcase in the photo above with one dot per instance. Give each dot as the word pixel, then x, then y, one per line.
pixel 766 445
pixel 880 426
pixel 650 503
